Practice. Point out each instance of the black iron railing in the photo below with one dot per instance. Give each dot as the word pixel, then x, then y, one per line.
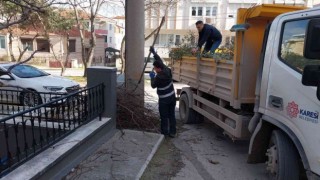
pixel 32 130
pixel 15 99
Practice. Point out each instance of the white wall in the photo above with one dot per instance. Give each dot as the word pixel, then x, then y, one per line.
pixel 119 33
pixel 111 35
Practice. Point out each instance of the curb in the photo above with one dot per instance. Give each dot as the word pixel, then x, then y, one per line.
pixel 154 150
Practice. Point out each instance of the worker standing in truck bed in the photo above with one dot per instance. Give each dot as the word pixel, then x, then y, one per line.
pixel 209 35
pixel 167 97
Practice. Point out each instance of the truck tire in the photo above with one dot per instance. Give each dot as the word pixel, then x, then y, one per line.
pixel 283 158
pixel 188 115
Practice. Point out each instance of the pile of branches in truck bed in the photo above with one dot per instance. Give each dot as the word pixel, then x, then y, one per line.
pixel 222 53
pixel 134 114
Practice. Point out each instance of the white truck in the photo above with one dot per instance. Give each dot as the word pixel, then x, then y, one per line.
pixel 269 92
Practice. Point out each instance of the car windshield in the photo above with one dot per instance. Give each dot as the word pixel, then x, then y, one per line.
pixel 26 71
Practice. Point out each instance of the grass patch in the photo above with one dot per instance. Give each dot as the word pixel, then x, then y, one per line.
pixel 78 79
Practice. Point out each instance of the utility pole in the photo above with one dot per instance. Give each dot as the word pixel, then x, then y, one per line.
pixel 134 47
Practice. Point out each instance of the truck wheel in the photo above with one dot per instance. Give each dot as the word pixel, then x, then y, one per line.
pixel 188 115
pixel 283 159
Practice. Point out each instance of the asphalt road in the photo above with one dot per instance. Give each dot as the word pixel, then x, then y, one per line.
pixel 201 152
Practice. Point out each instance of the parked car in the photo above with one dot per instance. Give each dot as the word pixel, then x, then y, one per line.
pixel 28 85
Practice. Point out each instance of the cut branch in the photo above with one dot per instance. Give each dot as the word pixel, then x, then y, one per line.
pixel 22 62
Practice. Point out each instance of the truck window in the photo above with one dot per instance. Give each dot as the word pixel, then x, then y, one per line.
pixel 292 44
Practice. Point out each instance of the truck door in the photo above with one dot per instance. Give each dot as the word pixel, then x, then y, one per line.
pixel 288 101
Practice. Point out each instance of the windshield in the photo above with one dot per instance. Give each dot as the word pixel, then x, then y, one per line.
pixel 26 71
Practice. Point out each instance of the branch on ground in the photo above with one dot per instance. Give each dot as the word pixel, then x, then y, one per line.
pixel 132 114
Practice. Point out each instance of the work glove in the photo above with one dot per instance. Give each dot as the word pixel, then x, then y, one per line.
pixel 152 50
pixel 152 74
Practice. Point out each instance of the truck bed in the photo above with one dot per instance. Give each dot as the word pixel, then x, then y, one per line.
pixel 214 77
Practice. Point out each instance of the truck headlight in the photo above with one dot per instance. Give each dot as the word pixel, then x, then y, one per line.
pixel 53 88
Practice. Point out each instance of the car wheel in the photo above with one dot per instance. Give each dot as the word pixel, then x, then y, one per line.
pixel 283 159
pixel 30 98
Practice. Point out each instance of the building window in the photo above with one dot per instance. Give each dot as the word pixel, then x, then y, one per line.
pixel 165 40
pixel 106 39
pixel 157 40
pixel 27 44
pixel 153 12
pixel 208 10
pixel 292 45
pixel 194 11
pixel 2 42
pixel 110 39
pixel 177 42
pixel 214 11
pixel 110 27
pixel 43 45
pixel 72 45
pixel 200 11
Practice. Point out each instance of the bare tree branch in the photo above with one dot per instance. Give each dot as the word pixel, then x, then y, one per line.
pixel 23 18
pixel 22 62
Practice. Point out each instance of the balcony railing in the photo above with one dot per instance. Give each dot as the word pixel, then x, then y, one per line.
pixel 27 131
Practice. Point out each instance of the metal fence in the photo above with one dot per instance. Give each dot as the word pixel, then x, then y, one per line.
pixel 16 99
pixel 33 129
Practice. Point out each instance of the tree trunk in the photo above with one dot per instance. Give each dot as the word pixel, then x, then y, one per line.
pixel 12 58
pixel 93 42
pixel 85 69
pixel 55 56
pixel 122 55
pixel 83 49
pixel 83 54
pixel 63 68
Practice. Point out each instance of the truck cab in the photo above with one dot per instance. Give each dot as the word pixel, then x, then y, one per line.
pixel 289 109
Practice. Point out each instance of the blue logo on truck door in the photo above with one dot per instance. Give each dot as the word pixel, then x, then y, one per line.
pixel 293 111
pixel 311 116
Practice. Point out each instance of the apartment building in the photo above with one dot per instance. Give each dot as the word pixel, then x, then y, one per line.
pixel 120 30
pixel 181 18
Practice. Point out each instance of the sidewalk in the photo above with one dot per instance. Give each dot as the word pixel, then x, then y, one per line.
pixel 125 156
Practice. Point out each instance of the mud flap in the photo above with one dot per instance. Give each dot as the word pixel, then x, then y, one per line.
pixel 259 143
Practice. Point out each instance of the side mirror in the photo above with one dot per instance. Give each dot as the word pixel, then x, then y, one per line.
pixel 6 77
pixel 312 40
pixel 311 77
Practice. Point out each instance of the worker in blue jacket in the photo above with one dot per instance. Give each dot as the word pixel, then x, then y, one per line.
pixel 162 80
pixel 209 35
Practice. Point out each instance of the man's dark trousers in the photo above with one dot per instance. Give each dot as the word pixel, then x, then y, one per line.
pixel 167 115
